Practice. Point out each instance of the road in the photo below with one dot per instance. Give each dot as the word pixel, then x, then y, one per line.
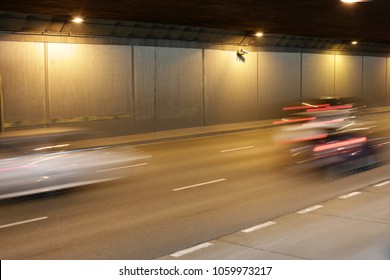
pixel 188 192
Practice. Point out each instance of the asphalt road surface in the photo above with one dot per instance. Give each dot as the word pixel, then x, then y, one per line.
pixel 188 192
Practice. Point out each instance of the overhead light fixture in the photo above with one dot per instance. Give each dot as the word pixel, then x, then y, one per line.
pixel 354 42
pixel 242 52
pixel 77 20
pixel 355 1
pixel 259 34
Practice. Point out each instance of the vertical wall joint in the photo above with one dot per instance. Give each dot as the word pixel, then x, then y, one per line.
pixel 132 94
pixel 301 77
pixel 47 93
pixel 203 89
pixel 1 106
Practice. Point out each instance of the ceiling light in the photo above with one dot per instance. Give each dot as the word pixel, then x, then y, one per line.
pixel 242 52
pixel 77 20
pixel 259 34
pixel 355 1
pixel 354 42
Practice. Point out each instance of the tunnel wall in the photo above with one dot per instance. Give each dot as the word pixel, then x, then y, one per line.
pixel 230 87
pixel 179 98
pixel 23 74
pixel 318 75
pixel 88 80
pixel 137 88
pixel 279 78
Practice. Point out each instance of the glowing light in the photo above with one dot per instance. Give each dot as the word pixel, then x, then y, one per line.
pixel 340 144
pixel 77 20
pixel 338 107
pixel 355 1
pixel 305 106
pixel 315 124
pixel 284 121
pixel 354 42
pixel 259 34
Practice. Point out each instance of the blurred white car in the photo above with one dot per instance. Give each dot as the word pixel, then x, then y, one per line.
pixel 39 163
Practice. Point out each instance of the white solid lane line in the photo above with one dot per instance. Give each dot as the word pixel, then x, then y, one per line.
pixel 309 209
pixel 23 222
pixel 237 149
pixel 263 225
pixel 191 250
pixel 382 184
pixel 349 195
pixel 198 185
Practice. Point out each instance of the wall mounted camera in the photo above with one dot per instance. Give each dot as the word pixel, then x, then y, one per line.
pixel 240 55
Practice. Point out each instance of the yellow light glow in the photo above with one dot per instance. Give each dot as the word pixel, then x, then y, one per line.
pixel 259 34
pixel 77 20
pixel 354 42
pixel 355 1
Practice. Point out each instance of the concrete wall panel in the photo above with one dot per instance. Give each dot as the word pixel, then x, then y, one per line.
pixel 178 88
pixel 374 80
pixel 230 87
pixel 318 75
pixel 279 82
pixel 349 75
pixel 23 74
pixel 144 88
pixel 387 81
pixel 89 80
pixel 173 87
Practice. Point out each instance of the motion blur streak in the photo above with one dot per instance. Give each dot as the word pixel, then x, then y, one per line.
pixel 284 121
pixel 339 144
pixel 303 139
pixel 27 169
pixel 330 108
pixel 305 106
pixel 51 147
pixel 16 167
pixel 333 136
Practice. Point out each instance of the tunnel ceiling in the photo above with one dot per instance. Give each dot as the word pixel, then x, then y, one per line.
pixel 325 19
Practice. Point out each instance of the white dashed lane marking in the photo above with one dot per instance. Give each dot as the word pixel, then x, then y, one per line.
pixel 237 149
pixel 267 224
pixel 191 250
pixel 199 185
pixel 309 209
pixel 382 184
pixel 349 195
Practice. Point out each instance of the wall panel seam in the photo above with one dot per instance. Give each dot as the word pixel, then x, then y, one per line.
pixel 132 95
pixel 47 90
pixel 203 89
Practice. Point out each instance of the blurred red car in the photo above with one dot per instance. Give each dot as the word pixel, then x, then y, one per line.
pixel 329 134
